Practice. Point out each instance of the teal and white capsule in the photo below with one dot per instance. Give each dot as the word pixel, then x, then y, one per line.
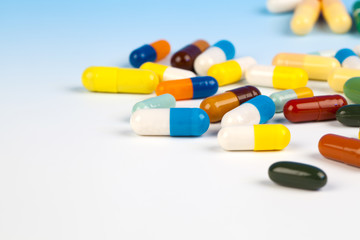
pixel 348 58
pixel 163 101
pixel 282 97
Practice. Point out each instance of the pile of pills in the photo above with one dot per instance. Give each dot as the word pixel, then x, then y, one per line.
pixel 199 69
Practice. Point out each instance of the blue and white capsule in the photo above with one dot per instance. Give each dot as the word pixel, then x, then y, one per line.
pixel 219 52
pixel 163 101
pixel 257 110
pixel 348 58
pixel 173 122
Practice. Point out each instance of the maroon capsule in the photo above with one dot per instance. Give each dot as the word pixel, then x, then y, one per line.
pixel 318 108
pixel 185 57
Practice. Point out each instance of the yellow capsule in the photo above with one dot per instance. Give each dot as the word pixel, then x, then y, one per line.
pixel 317 67
pixel 119 80
pixel 336 16
pixel 305 16
pixel 166 73
pixel 339 76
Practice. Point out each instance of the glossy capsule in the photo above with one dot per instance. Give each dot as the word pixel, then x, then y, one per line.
pixel 339 148
pixel 231 71
pixel 166 73
pixel 318 108
pixel 280 6
pixel 317 67
pixel 257 110
pixel 349 115
pixel 277 77
pixel 163 101
pixel 356 14
pixel 348 58
pixel 297 175
pixel 339 76
pixel 185 57
pixel 219 52
pixel 190 88
pixel 152 52
pixel 263 137
pixel 171 122
pixel 324 53
pixel 216 106
pixel 282 97
pixel 336 16
pixel 119 80
pixel 352 89
pixel 305 16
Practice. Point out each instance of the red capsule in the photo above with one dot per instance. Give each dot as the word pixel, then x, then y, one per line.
pixel 318 108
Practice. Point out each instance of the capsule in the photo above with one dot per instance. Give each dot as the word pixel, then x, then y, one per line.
pixel 216 106
pixel 348 58
pixel 231 71
pixel 336 16
pixel 282 97
pixel 277 77
pixel 349 115
pixel 220 52
pixel 297 175
pixel 166 73
pixel 339 148
pixel 318 108
pixel 119 80
pixel 317 67
pixel 352 89
pixel 152 52
pixel 257 110
pixel 263 137
pixel 163 101
pixel 305 16
pixel 324 53
pixel 280 6
pixel 356 49
pixel 171 122
pixel 356 14
pixel 340 76
pixel 185 57
pixel 190 88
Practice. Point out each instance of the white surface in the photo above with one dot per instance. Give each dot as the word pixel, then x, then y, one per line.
pixel 209 57
pixel 245 114
pixel 172 73
pixel 237 138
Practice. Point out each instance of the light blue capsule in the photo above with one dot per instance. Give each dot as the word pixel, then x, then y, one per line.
pixel 162 101
pixel 281 98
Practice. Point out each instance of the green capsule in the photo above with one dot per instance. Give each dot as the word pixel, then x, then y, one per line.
pixel 352 89
pixel 297 175
pixel 356 14
pixel 162 101
pixel 349 115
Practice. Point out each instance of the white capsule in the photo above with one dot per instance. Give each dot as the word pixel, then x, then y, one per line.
pixel 245 64
pixel 279 6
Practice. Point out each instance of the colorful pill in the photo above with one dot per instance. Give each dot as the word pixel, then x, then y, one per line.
pixel 166 73
pixel 119 80
pixel 305 16
pixel 280 6
pixel 149 53
pixel 356 14
pixel 297 175
pixel 317 67
pixel 171 122
pixel 216 106
pixel 277 77
pixel 282 97
pixel 257 110
pixel 352 89
pixel 190 88
pixel 263 137
pixel 336 16
pixel 339 148
pixel 340 76
pixel 349 115
pixel 231 71
pixel 318 108
pixel 348 58
pixel 219 52
pixel 324 53
pixel 185 57
pixel 163 101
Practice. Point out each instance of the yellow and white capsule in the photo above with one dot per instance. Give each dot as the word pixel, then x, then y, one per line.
pixel 305 16
pixel 231 71
pixel 277 77
pixel 166 73
pixel 263 137
pixel 336 16
pixel 119 80
pixel 339 76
